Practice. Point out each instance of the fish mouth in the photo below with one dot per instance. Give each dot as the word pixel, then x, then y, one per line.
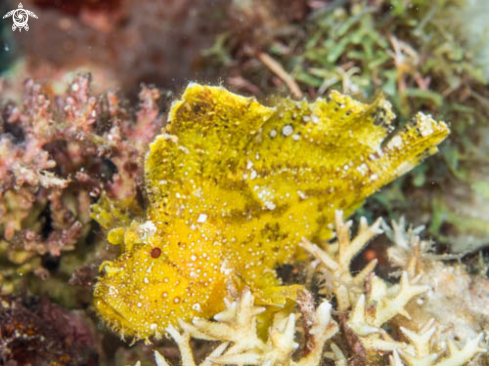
pixel 111 315
pixel 121 324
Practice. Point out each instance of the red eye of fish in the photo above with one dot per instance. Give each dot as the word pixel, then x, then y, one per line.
pixel 155 252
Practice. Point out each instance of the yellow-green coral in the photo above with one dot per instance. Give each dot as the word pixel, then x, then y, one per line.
pixel 234 186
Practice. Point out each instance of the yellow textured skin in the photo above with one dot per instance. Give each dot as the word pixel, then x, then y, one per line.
pixel 233 186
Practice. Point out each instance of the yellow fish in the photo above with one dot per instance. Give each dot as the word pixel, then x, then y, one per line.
pixel 233 186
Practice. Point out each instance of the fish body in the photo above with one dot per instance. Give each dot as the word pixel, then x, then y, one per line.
pixel 233 186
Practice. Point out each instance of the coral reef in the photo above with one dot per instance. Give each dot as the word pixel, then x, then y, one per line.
pixel 57 155
pixel 410 297
pixel 379 304
pixel 462 295
pixel 236 329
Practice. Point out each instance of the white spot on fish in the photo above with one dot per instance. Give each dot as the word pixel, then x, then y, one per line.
pixel 287 130
pixel 202 218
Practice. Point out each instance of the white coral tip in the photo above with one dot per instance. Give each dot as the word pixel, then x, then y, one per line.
pixel 160 360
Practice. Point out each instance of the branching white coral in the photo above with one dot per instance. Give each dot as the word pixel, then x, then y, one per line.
pixel 335 260
pixel 236 328
pixel 401 235
pixel 379 306
pixel 236 324
pixel 337 355
pixel 464 314
pixel 421 349
pixel 408 250
pixel 375 303
pixel 421 353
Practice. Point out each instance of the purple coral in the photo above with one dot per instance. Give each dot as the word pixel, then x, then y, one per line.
pixel 58 153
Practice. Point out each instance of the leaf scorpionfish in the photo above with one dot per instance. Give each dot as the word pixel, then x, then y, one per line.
pixel 232 187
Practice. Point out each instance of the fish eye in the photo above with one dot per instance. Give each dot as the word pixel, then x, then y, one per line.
pixel 155 252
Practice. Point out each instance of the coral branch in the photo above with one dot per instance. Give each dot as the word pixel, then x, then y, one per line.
pixel 235 327
pixel 336 259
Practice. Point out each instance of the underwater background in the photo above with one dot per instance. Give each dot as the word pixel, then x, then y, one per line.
pixel 89 87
